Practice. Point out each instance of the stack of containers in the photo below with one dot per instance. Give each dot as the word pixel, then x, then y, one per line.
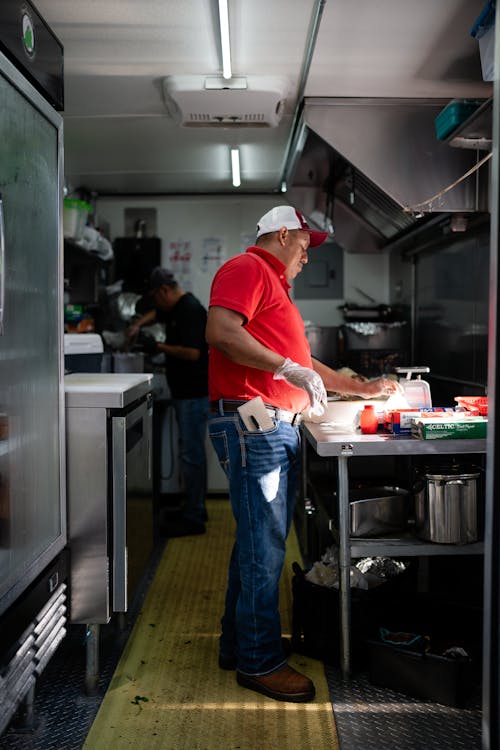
pixel 75 215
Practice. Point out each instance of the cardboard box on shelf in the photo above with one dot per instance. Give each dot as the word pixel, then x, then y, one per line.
pixel 449 428
pixel 399 421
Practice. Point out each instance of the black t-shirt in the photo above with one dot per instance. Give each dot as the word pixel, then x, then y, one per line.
pixel 185 325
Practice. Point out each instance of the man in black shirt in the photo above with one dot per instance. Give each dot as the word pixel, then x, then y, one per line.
pixel 186 369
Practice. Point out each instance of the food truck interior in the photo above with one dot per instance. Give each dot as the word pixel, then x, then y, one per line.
pixel 137 139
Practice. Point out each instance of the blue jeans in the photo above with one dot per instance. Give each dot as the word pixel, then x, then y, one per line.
pixel 262 468
pixel 191 415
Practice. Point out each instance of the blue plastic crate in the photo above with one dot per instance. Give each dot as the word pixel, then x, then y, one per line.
pixel 453 115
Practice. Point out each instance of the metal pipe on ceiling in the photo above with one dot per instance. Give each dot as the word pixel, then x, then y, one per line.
pixel 312 36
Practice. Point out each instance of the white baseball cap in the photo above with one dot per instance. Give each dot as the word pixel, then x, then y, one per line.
pixel 289 217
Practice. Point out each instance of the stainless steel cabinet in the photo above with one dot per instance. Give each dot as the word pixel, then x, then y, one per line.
pixel 110 499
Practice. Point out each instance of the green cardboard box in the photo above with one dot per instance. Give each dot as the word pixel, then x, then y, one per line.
pixel 449 429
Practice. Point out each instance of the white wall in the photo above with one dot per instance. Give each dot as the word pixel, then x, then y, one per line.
pixel 230 221
pixel 363 271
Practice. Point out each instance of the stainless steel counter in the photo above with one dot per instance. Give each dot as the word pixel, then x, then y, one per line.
pixel 328 441
pixel 109 390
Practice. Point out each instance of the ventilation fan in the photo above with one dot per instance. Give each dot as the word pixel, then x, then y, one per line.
pixel 200 102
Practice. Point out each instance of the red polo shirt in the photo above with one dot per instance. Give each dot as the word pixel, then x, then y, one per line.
pixel 254 284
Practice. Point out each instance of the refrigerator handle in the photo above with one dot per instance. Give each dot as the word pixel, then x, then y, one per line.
pixel 2 267
pixel 119 469
pixel 149 432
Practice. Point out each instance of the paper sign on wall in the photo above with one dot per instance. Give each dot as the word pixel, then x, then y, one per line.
pixel 179 261
pixel 213 254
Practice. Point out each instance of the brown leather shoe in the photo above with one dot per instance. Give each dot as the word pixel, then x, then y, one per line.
pixel 285 684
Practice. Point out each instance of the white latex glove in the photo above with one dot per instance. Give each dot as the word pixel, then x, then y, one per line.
pixel 306 378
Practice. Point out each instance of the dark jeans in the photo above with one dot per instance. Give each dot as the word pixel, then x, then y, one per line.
pixel 191 415
pixel 262 468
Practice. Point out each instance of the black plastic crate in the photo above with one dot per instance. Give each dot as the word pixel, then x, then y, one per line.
pixel 429 674
pixel 422 675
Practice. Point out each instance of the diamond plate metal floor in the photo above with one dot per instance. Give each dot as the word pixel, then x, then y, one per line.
pixel 372 718
pixel 367 717
pixel 63 711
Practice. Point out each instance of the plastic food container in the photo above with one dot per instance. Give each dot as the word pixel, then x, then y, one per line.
pixel 454 115
pixel 476 404
pixel 368 420
pixel 75 214
pixel 484 31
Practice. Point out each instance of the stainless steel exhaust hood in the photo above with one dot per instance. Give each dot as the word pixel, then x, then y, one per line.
pixel 366 164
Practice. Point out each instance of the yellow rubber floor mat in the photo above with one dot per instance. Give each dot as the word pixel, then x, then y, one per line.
pixel 169 694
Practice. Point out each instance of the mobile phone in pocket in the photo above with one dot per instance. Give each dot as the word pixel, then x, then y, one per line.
pixel 255 416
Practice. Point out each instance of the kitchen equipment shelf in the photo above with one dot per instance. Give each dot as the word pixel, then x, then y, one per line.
pixel 405 545
pixel 328 442
pixel 83 270
pixel 475 131
pixel 410 547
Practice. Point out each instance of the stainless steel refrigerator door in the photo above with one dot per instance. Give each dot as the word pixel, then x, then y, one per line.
pixel 32 476
pixel 131 469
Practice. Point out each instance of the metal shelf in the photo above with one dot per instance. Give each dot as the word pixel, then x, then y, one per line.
pixel 410 547
pixel 327 441
pixel 403 545
pixel 475 132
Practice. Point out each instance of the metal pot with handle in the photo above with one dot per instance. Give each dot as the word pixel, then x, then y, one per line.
pixel 446 505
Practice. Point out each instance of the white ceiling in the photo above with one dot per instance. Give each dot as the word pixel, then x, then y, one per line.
pixel 119 137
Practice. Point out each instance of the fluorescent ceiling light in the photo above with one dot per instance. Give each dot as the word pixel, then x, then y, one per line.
pixel 224 39
pixel 235 166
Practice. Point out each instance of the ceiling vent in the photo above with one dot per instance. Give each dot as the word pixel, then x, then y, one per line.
pixel 200 102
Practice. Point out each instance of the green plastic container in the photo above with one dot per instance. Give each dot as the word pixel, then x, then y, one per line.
pixel 75 213
pixel 453 115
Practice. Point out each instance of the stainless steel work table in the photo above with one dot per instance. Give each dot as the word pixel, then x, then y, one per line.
pixel 328 442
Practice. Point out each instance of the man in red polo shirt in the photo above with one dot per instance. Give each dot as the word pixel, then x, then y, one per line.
pixel 260 360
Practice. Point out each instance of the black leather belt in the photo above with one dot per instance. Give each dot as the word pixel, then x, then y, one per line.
pixel 224 406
